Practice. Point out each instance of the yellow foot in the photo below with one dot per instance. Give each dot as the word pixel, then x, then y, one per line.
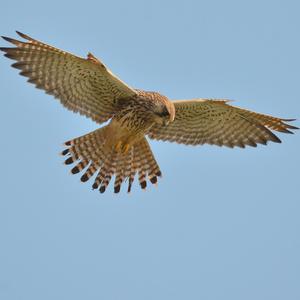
pixel 125 148
pixel 122 147
pixel 118 146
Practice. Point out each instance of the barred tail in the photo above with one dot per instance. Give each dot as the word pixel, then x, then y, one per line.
pixel 92 155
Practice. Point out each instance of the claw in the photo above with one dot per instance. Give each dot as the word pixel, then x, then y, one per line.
pixel 122 147
pixel 125 148
pixel 118 146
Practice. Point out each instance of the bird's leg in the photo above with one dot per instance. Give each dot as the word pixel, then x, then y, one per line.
pixel 118 146
pixel 122 147
pixel 125 148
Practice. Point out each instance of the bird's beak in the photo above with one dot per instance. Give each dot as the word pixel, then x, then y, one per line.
pixel 166 122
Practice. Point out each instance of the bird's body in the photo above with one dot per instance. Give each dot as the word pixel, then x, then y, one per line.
pixel 120 148
pixel 137 114
pixel 130 124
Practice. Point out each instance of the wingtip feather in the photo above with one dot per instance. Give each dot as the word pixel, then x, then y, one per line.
pixel 6 38
pixel 23 35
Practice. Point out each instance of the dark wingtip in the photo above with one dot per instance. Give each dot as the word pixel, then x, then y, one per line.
pixel 292 127
pixel 23 35
pixel 275 139
pixel 288 131
pixel 288 120
pixel 4 49
pixel 263 142
pixel 288 125
pixel 8 39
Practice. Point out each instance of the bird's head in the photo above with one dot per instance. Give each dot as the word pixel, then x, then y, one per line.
pixel 160 108
pixel 164 111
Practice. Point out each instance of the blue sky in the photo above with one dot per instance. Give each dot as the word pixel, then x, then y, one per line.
pixel 222 223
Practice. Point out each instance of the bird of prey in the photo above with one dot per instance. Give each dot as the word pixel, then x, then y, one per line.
pixel 120 149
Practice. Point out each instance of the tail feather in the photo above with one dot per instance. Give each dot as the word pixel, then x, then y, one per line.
pixel 91 170
pixel 149 166
pixel 101 173
pixel 153 168
pixel 139 165
pixel 131 170
pixel 80 166
pixel 93 156
pixel 123 170
pixel 108 170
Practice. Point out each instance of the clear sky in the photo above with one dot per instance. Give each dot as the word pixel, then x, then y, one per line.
pixel 222 223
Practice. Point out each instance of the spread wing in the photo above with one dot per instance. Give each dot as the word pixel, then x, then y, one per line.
pixel 204 121
pixel 82 85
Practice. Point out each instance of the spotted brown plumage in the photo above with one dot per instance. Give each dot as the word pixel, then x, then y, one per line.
pixel 120 148
pixel 204 121
pixel 82 85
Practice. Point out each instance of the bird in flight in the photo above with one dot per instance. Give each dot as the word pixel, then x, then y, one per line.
pixel 120 149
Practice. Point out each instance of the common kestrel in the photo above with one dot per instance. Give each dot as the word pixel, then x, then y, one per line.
pixel 87 86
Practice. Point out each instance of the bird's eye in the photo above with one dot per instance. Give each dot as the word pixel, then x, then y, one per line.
pixel 165 112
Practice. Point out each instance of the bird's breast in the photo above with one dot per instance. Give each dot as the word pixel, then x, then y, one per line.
pixel 134 121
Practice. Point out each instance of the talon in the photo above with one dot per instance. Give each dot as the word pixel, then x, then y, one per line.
pixel 125 148
pixel 118 146
pixel 122 148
